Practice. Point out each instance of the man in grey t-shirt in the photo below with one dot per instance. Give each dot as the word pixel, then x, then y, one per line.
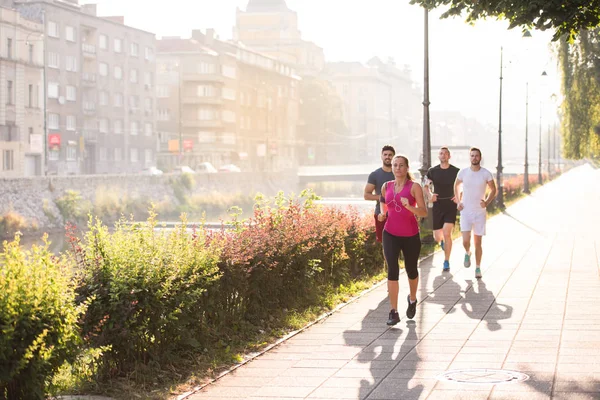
pixel 376 179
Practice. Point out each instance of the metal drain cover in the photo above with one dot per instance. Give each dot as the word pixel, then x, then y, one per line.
pixel 483 376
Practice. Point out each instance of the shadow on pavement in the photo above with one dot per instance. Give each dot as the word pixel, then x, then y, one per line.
pixel 384 355
pixel 475 306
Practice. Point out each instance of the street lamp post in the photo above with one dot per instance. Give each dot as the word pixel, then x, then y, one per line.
pixel 426 159
pixel 540 180
pixel 426 162
pixel 500 197
pixel 526 172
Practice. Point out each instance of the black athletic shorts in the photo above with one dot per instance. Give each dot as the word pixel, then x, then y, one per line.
pixel 444 212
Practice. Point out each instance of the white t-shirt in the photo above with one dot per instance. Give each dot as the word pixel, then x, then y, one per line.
pixel 474 185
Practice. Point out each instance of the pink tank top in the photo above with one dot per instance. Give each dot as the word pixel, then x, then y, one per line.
pixel 400 221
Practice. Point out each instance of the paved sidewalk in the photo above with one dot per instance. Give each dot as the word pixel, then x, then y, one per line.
pixel 536 311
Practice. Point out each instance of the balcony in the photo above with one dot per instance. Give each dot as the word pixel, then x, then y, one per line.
pixel 88 79
pixel 203 78
pixel 210 100
pixel 89 108
pixel 90 136
pixel 89 50
pixel 213 123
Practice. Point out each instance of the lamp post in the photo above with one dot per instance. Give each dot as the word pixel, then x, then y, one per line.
pixel 526 34
pixel 540 179
pixel 499 179
pixel 526 172
pixel 426 159
pixel 426 162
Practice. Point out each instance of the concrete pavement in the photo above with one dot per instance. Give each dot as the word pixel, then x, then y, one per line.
pixel 535 312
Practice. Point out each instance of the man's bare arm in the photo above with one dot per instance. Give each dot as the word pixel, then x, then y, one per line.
pixel 369 195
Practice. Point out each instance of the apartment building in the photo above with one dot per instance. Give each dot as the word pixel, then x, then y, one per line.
pixel 223 103
pixel 21 77
pixel 100 95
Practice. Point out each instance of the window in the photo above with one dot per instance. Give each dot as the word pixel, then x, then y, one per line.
pixel 118 126
pixel 70 33
pixel 229 71
pixel 71 123
pixel 148 104
pixel 30 96
pixel 118 154
pixel 118 45
pixel 103 42
pixel 103 125
pixel 53 90
pixel 133 130
pixel 53 29
pixel 148 129
pixel 71 62
pixel 206 114
pixel 103 98
pixel 103 69
pixel 71 153
pixel 118 100
pixel 228 94
pixel 134 102
pixel 53 60
pixel 163 114
pixel 8 160
pixel 162 91
pixel 9 92
pixel 148 79
pixel 205 91
pixel 118 72
pixel 206 137
pixel 148 53
pixel 206 68
pixel 71 93
pixel 102 153
pixel 31 53
pixel 133 155
pixel 53 155
pixel 9 49
pixel 228 138
pixel 53 121
pixel 148 159
pixel 134 49
pixel 133 76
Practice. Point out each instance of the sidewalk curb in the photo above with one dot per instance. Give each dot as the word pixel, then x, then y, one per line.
pixel 290 335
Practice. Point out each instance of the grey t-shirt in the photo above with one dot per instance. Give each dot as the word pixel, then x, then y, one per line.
pixel 378 178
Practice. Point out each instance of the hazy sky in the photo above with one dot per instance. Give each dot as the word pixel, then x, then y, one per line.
pixel 464 59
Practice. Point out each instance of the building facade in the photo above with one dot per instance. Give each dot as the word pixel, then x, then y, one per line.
pixel 381 106
pixel 100 97
pixel 221 103
pixel 271 28
pixel 21 95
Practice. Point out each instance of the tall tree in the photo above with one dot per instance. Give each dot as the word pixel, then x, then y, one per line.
pixel 567 17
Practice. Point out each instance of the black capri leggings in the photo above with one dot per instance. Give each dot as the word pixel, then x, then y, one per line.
pixel 410 247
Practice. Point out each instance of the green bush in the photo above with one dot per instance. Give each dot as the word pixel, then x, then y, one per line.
pixel 147 286
pixel 38 319
pixel 11 223
pixel 71 206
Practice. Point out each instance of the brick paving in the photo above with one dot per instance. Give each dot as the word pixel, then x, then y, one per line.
pixel 536 311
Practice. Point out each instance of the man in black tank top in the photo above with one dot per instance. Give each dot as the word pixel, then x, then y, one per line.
pixel 442 178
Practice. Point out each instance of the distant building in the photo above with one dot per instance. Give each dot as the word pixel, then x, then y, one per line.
pixel 381 106
pixel 21 95
pixel 270 27
pixel 222 103
pixel 100 78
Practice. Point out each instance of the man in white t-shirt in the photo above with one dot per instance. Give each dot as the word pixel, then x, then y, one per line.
pixel 472 205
